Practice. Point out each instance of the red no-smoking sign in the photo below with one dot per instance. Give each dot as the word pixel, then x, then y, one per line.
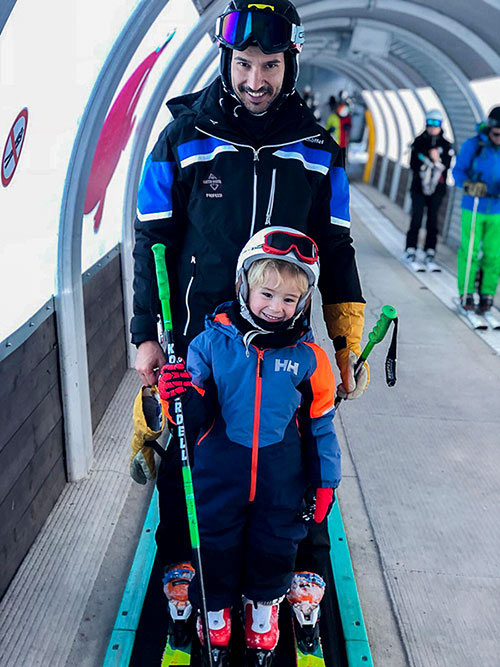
pixel 13 147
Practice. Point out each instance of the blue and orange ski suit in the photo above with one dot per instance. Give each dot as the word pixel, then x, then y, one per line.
pixel 251 462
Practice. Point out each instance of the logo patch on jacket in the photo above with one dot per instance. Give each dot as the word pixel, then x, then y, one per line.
pixel 286 365
pixel 214 184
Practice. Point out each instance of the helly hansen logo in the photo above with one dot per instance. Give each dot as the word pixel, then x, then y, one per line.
pixel 286 365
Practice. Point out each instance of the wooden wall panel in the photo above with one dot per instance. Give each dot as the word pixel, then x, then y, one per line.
pixel 32 473
pixel 388 177
pixel 105 330
pixel 376 169
pixel 403 185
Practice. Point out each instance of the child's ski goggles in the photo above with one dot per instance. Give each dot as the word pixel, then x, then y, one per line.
pixel 272 32
pixel 281 243
pixel 432 122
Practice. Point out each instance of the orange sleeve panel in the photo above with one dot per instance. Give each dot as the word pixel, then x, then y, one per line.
pixel 222 318
pixel 198 389
pixel 322 383
pixel 166 412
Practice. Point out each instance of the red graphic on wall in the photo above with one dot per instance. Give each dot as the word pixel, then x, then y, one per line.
pixel 115 133
pixel 13 147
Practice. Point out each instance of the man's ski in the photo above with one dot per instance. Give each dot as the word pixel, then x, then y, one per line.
pixel 310 656
pixel 315 659
pixel 176 656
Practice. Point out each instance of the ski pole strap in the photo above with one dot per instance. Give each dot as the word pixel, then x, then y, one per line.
pixel 163 284
pixel 390 360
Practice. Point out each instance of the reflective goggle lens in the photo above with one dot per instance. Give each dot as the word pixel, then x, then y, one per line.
pixel 272 32
pixel 432 122
pixel 281 243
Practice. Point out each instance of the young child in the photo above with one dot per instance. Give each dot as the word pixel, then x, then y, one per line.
pixel 264 393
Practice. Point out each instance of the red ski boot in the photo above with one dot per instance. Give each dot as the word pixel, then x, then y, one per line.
pixel 305 594
pixel 176 581
pixel 219 623
pixel 261 630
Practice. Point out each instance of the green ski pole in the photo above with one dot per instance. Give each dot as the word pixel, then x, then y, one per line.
pixel 164 293
pixel 376 335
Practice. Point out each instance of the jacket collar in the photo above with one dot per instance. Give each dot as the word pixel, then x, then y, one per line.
pixel 216 113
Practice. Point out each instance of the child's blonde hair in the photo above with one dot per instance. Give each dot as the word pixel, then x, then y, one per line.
pixel 259 269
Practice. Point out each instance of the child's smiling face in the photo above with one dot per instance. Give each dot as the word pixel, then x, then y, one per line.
pixel 275 299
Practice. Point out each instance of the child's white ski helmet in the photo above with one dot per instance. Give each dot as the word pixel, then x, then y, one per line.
pixel 285 244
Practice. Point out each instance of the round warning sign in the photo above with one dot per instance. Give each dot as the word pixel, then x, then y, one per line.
pixel 13 147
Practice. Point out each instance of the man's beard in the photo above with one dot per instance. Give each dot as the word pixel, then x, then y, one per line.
pixel 242 89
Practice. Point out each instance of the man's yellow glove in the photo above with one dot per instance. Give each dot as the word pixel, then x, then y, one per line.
pixel 148 425
pixel 344 322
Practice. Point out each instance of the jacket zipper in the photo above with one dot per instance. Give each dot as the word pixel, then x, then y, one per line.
pixel 193 273
pixel 254 201
pixel 256 424
pixel 271 199
pixel 255 160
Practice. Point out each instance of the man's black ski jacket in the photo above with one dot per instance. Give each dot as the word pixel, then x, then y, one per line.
pixel 215 177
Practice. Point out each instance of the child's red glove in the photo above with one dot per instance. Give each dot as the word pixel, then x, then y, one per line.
pixel 324 503
pixel 173 380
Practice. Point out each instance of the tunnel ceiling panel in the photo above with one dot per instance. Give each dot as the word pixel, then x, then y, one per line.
pixel 466 43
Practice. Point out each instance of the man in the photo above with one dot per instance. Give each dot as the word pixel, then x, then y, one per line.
pixel 430 160
pixel 477 170
pixel 239 155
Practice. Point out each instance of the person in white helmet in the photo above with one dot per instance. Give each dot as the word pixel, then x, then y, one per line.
pixel 430 160
pixel 262 393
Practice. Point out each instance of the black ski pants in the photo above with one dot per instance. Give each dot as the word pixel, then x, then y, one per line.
pixel 419 203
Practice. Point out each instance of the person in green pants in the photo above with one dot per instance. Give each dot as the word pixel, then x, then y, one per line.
pixel 477 171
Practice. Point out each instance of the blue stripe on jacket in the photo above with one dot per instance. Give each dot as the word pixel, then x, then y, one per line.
pixel 154 197
pixel 202 150
pixel 313 159
pixel 339 202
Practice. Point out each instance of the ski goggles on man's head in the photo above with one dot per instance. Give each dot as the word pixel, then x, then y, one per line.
pixel 272 33
pixel 281 243
pixel 434 122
